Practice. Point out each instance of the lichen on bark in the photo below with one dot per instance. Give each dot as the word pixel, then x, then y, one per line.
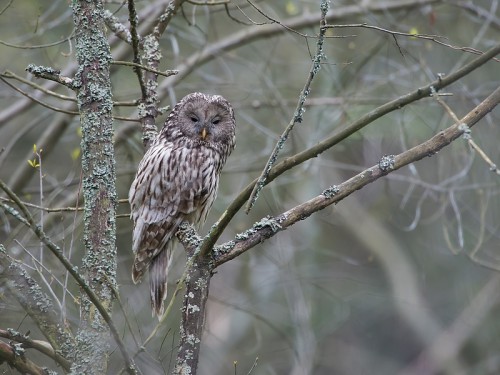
pixel 98 167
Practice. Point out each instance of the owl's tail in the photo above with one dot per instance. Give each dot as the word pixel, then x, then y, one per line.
pixel 158 271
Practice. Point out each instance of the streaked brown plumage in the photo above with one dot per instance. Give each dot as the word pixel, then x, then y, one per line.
pixel 177 181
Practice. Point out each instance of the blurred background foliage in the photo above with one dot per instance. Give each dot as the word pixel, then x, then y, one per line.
pixel 399 278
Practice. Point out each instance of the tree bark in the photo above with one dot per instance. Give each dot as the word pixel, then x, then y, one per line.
pixel 98 166
pixel 197 284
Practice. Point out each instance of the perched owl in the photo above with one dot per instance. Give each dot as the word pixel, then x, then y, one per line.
pixel 176 181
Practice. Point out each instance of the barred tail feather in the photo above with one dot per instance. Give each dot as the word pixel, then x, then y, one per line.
pixel 158 272
pixel 136 274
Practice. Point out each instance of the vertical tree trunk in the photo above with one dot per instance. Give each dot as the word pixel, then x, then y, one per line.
pixel 95 106
pixel 193 315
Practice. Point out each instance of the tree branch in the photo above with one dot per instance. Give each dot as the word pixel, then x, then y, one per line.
pixel 299 110
pixel 151 55
pixel 350 129
pixel 42 346
pixel 135 39
pixel 37 305
pixel 15 357
pixel 29 222
pixel 247 35
pixel 268 227
pixel 197 282
pixel 51 74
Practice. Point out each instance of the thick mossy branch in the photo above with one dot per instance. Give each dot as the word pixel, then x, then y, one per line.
pixel 268 227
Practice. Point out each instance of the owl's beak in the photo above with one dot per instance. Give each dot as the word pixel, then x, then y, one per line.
pixel 204 133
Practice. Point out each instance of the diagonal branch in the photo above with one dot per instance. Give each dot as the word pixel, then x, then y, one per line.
pixel 350 129
pixel 268 227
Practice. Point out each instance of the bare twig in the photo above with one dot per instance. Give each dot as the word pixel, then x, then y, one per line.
pixel 36 304
pixel 467 136
pixel 9 74
pixel 208 2
pixel 248 35
pixel 56 109
pixel 166 73
pixel 31 97
pixel 433 38
pixel 57 209
pixel 39 46
pixel 7 6
pixel 130 103
pixel 299 111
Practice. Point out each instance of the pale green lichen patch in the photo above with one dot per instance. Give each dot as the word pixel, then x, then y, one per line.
pixel 192 308
pixel 265 222
pixel 224 248
pixel 331 191
pixel 386 163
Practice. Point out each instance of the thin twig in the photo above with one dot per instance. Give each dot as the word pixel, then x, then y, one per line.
pixel 9 74
pixel 166 73
pixel 434 38
pixel 299 110
pixel 56 109
pixel 208 2
pixel 28 220
pixel 58 209
pixel 135 39
pixel 73 113
pixel 467 137
pixel 39 46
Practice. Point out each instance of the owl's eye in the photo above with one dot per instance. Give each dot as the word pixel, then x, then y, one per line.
pixel 193 118
pixel 216 121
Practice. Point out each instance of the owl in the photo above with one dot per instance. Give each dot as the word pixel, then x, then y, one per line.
pixel 177 181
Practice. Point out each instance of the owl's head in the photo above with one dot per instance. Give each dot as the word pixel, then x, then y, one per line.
pixel 205 119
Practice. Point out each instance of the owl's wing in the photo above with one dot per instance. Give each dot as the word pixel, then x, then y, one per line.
pixel 166 191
